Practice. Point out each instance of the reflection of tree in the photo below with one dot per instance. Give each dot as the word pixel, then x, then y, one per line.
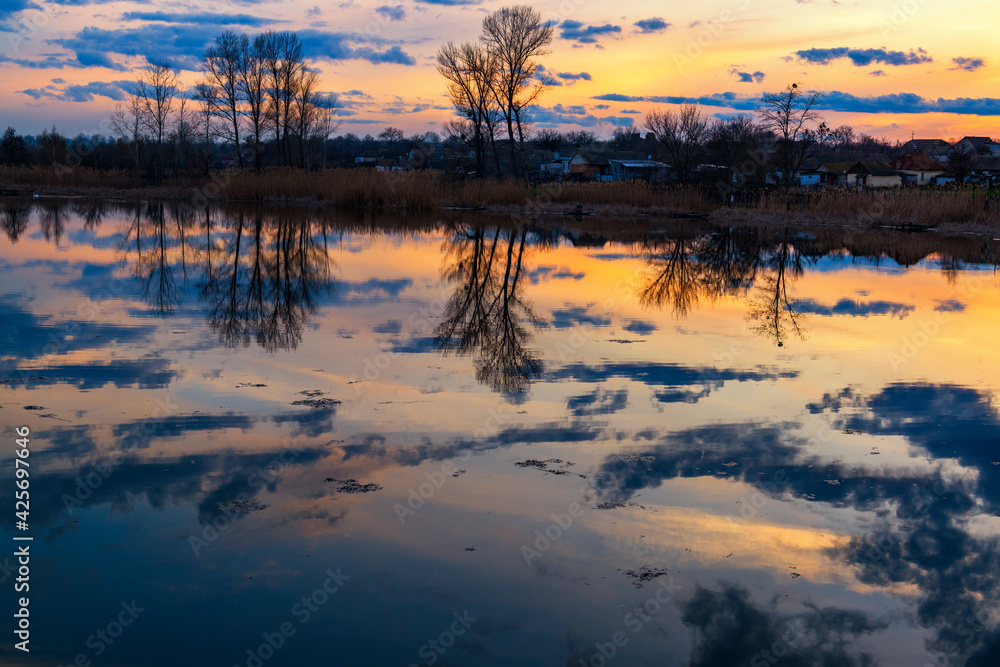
pixel 772 313
pixel 486 315
pixel 153 247
pixel 14 220
pixel 748 263
pixel 267 280
pixel 261 273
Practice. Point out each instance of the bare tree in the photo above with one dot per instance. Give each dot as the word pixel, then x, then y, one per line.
pixel 156 88
pixel 735 145
pixel 184 129
pixel 252 77
pixel 517 36
pixel 126 123
pixel 790 114
pixel 682 134
pixel 471 72
pixel 221 66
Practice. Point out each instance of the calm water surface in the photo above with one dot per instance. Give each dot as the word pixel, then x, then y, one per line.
pixel 288 438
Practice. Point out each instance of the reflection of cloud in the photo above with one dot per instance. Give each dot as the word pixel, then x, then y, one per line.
pixel 598 402
pixel 730 629
pixel 854 308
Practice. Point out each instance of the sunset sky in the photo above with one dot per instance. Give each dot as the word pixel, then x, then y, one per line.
pixel 887 67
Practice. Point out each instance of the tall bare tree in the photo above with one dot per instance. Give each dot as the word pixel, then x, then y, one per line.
pixel 471 72
pixel 790 114
pixel 157 88
pixel 251 81
pixel 517 36
pixel 221 66
pixel 126 123
pixel 682 134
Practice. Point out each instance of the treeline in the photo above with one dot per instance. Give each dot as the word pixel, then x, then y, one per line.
pixel 257 97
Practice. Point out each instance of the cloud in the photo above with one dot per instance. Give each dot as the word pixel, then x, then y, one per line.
pixel 833 100
pixel 569 76
pixel 556 116
pixel 393 13
pixel 748 77
pixel 183 45
pixel 968 64
pixel 864 57
pixel 877 72
pixel 655 24
pixel 575 31
pixel 197 18
pixel 114 90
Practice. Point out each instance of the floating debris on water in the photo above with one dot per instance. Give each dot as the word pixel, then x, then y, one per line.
pixel 250 384
pixel 624 341
pixel 318 403
pixel 312 393
pixel 635 458
pixel 458 473
pixel 546 466
pixel 34 407
pixel 854 431
pixel 644 575
pixel 246 506
pixel 353 486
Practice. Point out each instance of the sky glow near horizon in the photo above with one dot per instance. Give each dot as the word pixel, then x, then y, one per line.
pixel 888 68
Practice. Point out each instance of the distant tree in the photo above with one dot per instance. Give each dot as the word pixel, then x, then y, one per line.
pixel 13 149
pixel 735 144
pixel 252 71
pixel 582 138
pixel 625 138
pixel 548 140
pixel 791 115
pixel 682 135
pixel 960 163
pixel 127 124
pixel 391 136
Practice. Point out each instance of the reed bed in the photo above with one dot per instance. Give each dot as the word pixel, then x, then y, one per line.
pixel 911 206
pixel 428 191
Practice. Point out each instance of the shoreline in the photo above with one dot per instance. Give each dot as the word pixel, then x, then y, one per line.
pixel 549 212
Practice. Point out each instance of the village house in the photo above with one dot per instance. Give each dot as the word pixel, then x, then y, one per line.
pixel 978 146
pixel 834 174
pixel 985 170
pixel 613 166
pixel 917 169
pixel 874 174
pixel 935 149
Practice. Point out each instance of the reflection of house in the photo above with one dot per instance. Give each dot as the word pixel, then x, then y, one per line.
pixel 874 174
pixel 613 166
pixel 917 168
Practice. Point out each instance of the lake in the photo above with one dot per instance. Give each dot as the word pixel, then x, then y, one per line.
pixel 276 436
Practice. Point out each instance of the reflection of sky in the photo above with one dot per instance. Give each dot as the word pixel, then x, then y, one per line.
pixel 890 518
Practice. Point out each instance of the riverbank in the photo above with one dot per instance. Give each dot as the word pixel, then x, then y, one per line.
pixel 951 210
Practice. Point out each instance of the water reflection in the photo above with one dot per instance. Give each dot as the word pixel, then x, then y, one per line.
pixel 891 517
pixel 260 274
pixel 752 264
pixel 487 316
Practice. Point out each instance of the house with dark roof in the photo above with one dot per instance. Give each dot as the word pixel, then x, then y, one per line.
pixel 917 169
pixel 935 149
pixel 978 146
pixel 834 174
pixel 874 174
pixel 985 169
pixel 613 166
